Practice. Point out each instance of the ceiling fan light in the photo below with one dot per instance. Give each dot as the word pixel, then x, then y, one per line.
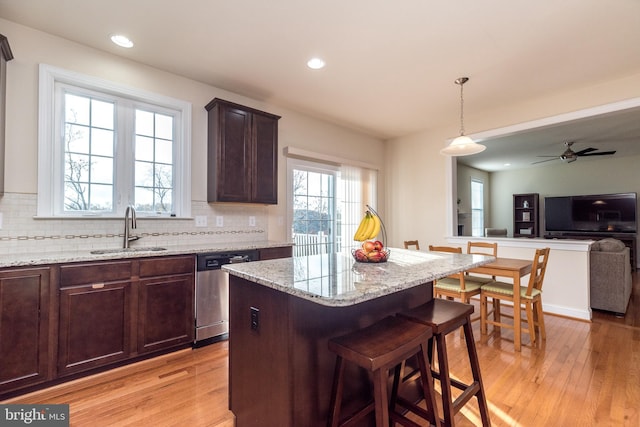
pixel 462 146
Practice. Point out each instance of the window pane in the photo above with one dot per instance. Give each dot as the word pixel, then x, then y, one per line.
pixel 163 176
pixel 102 142
pixel 164 151
pixel 76 109
pixel 102 114
pixel 77 139
pixel 144 148
pixel 164 126
pixel 101 197
pixel 144 174
pixel 102 170
pixel 76 196
pixel 144 123
pixel 76 168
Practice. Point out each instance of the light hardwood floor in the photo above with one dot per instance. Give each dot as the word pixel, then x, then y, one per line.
pixel 585 374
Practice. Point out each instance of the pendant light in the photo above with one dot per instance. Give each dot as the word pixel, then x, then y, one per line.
pixel 462 145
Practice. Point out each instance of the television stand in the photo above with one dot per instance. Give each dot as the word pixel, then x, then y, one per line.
pixel 629 240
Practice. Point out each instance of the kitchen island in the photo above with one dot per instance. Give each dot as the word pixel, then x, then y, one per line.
pixel 283 312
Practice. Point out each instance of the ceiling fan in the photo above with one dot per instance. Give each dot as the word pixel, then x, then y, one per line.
pixel 571 156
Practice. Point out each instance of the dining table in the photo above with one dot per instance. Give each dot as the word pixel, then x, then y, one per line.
pixel 510 268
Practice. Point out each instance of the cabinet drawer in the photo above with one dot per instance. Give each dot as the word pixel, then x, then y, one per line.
pixel 167 266
pixel 78 274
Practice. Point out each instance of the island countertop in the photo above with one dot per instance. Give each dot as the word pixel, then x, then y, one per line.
pixel 338 280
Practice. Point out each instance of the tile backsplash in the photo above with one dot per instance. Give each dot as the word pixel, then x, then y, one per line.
pixel 21 232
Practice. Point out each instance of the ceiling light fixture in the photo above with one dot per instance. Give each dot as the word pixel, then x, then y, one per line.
pixel 315 63
pixel 462 145
pixel 122 41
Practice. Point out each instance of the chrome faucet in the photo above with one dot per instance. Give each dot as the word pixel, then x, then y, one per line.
pixel 130 211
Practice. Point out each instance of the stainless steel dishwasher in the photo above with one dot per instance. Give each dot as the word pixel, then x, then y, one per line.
pixel 212 294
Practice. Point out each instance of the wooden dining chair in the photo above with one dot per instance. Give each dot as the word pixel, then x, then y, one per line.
pixel 482 248
pixel 530 299
pixel 456 286
pixel 409 243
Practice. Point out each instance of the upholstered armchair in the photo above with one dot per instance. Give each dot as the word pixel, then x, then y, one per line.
pixel 610 274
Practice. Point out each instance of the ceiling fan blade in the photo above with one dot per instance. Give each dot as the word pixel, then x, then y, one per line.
pixel 542 161
pixel 602 153
pixel 585 151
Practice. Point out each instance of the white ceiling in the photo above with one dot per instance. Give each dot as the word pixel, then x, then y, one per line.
pixel 390 65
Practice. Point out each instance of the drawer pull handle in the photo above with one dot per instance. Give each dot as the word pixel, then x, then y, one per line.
pixel 97 286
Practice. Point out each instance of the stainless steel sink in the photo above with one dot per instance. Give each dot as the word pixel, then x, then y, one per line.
pixel 124 250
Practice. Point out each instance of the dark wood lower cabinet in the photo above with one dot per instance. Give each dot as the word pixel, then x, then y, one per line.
pixel 95 326
pixel 130 308
pixel 165 313
pixel 26 333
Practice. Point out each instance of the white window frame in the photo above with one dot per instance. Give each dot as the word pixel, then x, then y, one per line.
pixel 50 150
pixel 475 209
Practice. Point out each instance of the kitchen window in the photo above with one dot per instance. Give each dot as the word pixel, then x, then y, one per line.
pixel 326 204
pixel 103 146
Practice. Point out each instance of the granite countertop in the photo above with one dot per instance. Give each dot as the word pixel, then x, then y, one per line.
pixel 65 256
pixel 338 280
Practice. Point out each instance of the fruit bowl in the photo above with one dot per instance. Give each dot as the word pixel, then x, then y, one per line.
pixel 374 257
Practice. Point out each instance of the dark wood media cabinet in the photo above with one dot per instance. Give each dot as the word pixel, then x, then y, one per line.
pixel 629 239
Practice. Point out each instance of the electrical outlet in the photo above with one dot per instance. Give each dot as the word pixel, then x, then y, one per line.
pixel 255 319
pixel 252 221
pixel 219 221
pixel 201 221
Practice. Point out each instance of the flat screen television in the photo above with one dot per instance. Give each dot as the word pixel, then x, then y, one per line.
pixel 606 213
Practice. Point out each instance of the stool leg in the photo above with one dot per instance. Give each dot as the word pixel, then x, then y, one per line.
pixel 475 370
pixel 427 385
pixel 336 393
pixel 445 382
pixel 381 397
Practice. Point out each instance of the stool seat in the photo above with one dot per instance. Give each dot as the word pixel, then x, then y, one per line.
pixel 443 317
pixel 378 348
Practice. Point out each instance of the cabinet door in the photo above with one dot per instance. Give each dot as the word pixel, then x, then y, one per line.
pixel 95 326
pixel 264 174
pixel 273 253
pixel 25 343
pixel 165 312
pixel 233 154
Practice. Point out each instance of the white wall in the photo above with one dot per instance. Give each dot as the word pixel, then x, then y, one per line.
pixel 30 48
pixel 465 175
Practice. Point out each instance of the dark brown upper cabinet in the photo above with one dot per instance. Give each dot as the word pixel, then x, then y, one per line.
pixel 5 55
pixel 242 154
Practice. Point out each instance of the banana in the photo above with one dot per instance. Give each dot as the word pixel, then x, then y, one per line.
pixel 362 228
pixel 371 224
pixel 376 227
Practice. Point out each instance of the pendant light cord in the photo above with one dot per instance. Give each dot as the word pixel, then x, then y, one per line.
pixel 461 81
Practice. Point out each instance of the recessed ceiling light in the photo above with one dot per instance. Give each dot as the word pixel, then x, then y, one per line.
pixel 315 63
pixel 507 164
pixel 122 41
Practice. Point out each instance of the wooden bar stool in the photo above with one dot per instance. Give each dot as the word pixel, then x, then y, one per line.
pixel 378 348
pixel 444 317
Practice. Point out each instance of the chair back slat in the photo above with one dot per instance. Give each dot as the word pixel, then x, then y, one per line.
pixel 538 270
pixel 482 248
pixel 408 243
pixel 453 250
